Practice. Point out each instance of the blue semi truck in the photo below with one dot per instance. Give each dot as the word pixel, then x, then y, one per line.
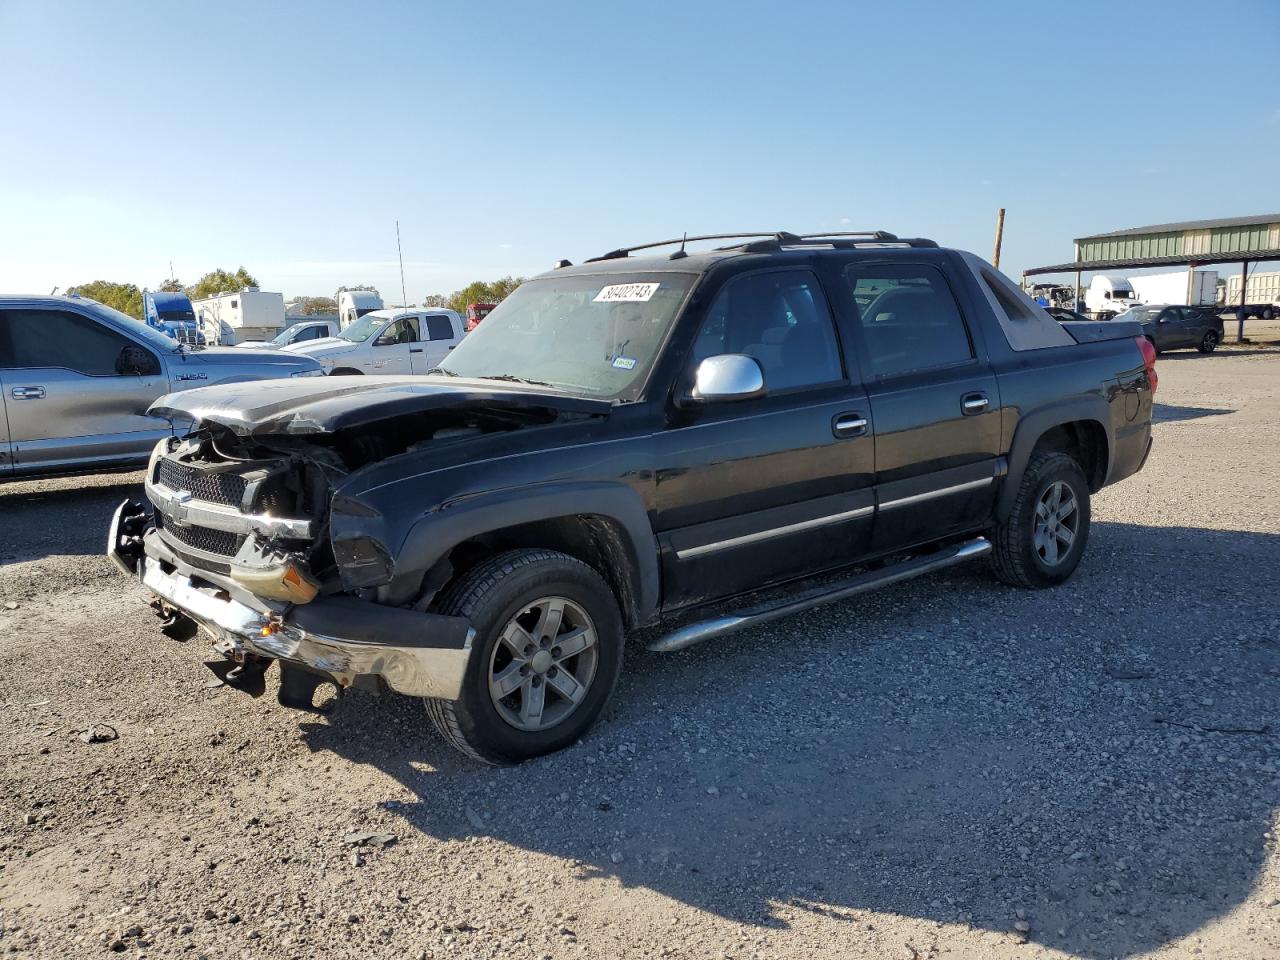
pixel 173 315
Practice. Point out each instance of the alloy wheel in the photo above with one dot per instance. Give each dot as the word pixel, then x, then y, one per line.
pixel 543 664
pixel 1057 522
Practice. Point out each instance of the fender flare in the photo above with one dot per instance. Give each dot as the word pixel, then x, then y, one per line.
pixel 1035 425
pixel 432 536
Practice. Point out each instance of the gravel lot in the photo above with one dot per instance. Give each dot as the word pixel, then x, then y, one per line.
pixel 950 767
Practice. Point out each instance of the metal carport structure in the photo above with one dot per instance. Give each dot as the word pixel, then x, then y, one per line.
pixel 1191 243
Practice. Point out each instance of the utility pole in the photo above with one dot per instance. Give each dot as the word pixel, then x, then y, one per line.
pixel 999 237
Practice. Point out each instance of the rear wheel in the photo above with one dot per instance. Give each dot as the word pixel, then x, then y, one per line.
pixel 1042 540
pixel 546 657
pixel 1209 342
pixel 345 372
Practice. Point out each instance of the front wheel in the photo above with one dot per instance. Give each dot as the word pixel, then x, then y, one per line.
pixel 1209 343
pixel 1042 540
pixel 545 659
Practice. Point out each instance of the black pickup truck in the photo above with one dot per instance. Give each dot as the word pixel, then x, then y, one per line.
pixel 689 443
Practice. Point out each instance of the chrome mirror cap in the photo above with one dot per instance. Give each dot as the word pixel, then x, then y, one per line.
pixel 728 376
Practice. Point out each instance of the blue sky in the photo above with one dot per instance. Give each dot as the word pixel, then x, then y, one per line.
pixel 288 138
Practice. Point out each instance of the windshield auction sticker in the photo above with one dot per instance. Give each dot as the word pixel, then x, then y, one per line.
pixel 627 293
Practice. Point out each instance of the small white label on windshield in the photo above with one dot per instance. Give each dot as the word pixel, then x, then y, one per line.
pixel 624 363
pixel 627 293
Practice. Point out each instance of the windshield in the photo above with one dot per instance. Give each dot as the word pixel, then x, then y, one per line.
pixel 177 316
pixel 363 329
pixel 1123 293
pixel 283 338
pixel 1139 314
pixel 135 328
pixel 592 335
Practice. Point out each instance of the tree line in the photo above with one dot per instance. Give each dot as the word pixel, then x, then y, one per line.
pixel 127 298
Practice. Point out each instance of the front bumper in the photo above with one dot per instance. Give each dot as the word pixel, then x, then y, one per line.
pixel 340 637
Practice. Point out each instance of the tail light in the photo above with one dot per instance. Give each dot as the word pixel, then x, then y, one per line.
pixel 1149 361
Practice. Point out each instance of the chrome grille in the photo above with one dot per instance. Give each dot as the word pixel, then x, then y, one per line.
pixel 219 542
pixel 210 486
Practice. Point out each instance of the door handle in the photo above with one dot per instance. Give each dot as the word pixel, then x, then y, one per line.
pixel 974 403
pixel 849 425
pixel 27 393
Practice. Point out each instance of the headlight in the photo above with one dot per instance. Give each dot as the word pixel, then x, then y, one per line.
pixel 307 373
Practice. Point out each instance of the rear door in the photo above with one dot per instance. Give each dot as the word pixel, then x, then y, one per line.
pixel 440 334
pixel 934 400
pixel 392 351
pixel 67 402
pixel 762 490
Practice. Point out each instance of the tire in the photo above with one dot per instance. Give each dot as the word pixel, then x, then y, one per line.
pixel 1209 342
pixel 519 587
pixel 1020 556
pixel 346 372
pixel 1268 314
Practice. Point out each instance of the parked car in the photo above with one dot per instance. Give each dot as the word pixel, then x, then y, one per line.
pixel 388 342
pixel 1172 327
pixel 693 444
pixel 78 377
pixel 1065 316
pixel 306 331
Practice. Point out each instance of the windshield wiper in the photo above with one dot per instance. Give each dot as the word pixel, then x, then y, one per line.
pixel 512 378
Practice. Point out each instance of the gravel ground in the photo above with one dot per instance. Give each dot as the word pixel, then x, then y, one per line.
pixel 949 767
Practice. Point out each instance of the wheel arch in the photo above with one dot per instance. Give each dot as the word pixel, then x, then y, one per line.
pixel 1077 428
pixel 604 525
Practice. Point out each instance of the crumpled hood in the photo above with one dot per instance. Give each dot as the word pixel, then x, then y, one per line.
pixel 309 405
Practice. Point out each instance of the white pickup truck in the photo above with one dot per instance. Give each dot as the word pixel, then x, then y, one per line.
pixel 302 332
pixel 400 341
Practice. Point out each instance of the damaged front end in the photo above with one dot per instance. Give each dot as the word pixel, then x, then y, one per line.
pixel 236 544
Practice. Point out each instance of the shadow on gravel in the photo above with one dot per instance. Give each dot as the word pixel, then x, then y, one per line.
pixel 1168 413
pixel 950 749
pixel 64 516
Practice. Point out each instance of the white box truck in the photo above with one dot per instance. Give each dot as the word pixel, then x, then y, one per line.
pixel 250 314
pixel 1173 288
pixel 1261 299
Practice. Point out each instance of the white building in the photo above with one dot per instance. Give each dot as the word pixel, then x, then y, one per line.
pixel 250 314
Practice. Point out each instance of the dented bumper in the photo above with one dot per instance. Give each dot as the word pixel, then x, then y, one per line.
pixel 343 638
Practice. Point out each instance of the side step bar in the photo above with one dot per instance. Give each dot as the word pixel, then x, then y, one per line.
pixel 700 630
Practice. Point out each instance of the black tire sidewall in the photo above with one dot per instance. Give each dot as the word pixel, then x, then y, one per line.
pixel 1209 342
pixel 479 719
pixel 1060 469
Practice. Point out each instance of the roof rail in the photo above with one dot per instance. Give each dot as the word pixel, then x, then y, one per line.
pixel 775 240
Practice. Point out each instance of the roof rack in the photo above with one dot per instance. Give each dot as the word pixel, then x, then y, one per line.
pixel 776 240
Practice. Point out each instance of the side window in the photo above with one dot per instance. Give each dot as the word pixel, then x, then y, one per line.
pixel 1193 315
pixel 439 328
pixel 782 320
pixel 54 338
pixel 404 330
pixel 909 318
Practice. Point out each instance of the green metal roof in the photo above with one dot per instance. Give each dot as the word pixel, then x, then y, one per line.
pixel 1226 240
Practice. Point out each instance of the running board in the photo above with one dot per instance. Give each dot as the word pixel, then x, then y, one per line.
pixel 700 630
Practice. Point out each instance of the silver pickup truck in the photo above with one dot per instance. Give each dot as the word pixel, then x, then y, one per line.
pixel 77 378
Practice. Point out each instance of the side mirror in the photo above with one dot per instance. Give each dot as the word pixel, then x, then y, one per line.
pixel 728 376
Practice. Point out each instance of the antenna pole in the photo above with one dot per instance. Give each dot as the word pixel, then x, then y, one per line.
pixel 403 297
pixel 999 237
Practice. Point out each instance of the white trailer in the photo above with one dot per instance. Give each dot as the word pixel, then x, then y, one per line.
pixel 1201 290
pixel 1261 296
pixel 354 304
pixel 250 314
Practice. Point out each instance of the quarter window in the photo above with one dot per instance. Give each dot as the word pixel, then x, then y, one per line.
pixel 782 320
pixel 439 328
pixel 909 318
pixel 55 338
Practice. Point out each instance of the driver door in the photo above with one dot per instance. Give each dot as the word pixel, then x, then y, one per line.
pixel 393 350
pixel 65 401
